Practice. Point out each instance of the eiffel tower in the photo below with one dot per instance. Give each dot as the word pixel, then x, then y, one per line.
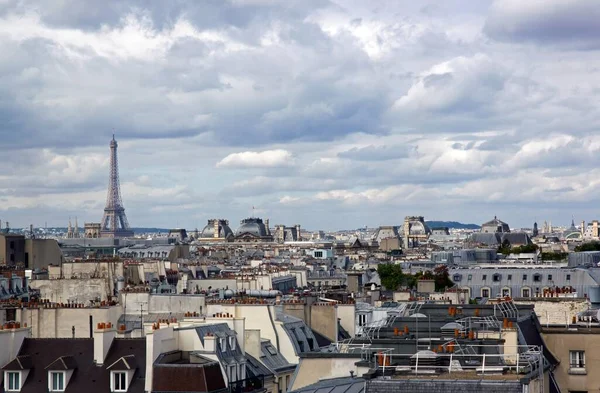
pixel 114 221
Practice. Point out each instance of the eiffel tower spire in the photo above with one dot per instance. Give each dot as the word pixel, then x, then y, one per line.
pixel 114 221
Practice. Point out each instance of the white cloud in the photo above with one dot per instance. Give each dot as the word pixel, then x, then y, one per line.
pixel 253 159
pixel 345 113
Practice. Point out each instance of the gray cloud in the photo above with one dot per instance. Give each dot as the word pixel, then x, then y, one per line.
pixel 377 153
pixel 398 107
pixel 554 22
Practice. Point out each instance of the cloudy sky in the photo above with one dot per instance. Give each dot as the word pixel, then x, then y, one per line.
pixel 327 113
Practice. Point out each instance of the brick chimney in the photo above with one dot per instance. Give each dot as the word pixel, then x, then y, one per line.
pixel 103 338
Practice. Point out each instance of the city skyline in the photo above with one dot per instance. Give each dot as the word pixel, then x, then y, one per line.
pixel 327 114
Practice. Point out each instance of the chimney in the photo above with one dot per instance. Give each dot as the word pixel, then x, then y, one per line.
pixel 299 237
pixel 210 344
pixel 582 227
pixel 103 338
pixel 267 226
pixel 252 342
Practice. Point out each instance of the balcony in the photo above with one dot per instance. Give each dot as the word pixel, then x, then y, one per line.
pixel 252 384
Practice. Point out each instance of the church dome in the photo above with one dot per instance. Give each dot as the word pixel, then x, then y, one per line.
pixel 209 230
pixel 253 226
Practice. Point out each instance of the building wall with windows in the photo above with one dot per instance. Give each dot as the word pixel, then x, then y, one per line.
pixel 524 282
pixel 579 352
pixel 321 253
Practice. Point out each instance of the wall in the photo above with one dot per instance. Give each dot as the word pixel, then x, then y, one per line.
pixel 162 303
pixel 43 252
pixel 347 315
pixel 324 320
pixel 560 342
pixel 300 311
pixel 214 283
pixel 252 342
pixel 311 370
pixel 10 342
pixel 157 342
pixel 77 290
pixel 399 296
pixel 556 310
pixel 58 322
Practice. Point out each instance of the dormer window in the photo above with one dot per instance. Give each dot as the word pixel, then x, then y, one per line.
pixel 56 381
pixel 232 342
pixel 223 344
pixel 118 381
pixel 12 381
pixel 121 373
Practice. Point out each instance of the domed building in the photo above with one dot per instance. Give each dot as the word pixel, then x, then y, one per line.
pixel 572 233
pixel 253 230
pixel 415 231
pixel 495 226
pixel 216 230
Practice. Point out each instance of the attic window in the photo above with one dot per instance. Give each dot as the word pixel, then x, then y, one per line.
pixel 232 342
pixel 271 350
pixel 456 277
pixel 12 381
pixel 537 277
pixel 119 381
pixel 56 381
pixel 223 344
pixel 497 277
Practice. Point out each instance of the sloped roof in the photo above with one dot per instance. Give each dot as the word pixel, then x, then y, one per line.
pixel 272 358
pixel 63 363
pixel 19 363
pixel 124 363
pixel 335 385
pixel 39 355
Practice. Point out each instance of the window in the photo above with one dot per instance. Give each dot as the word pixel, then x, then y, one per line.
pixel 57 381
pixel 271 350
pixel 485 292
pixel 576 361
pixel 568 277
pixel 232 342
pixel 13 381
pixel 223 344
pixel 510 276
pixel 318 254
pixel 549 277
pixel 362 319
pixel 496 277
pixel 456 277
pixel 484 277
pixel 525 292
pixel 232 374
pixel 119 381
pixel 537 277
pixel 505 292
pixel 469 277
pixel 524 277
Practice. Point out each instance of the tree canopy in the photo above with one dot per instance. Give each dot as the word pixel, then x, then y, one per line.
pixel 589 246
pixel 392 277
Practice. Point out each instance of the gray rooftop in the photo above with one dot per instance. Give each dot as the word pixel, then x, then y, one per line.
pixel 335 385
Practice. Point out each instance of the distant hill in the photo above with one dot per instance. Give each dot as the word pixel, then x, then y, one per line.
pixel 451 224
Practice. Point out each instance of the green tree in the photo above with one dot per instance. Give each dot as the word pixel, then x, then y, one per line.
pixel 391 275
pixel 442 278
pixel 590 246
